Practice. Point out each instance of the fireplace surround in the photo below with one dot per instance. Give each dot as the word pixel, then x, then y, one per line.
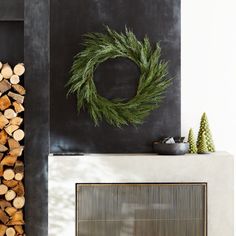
pixel 67 173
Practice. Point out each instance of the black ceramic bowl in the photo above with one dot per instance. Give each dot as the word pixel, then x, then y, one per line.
pixel 170 148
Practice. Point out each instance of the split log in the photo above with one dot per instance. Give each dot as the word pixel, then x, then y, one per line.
pixel 19 89
pixel 18 107
pixel 3 148
pixel 11 128
pixel 19 229
pixel 3 189
pixel 6 71
pixel 13 144
pixel 18 135
pixel 16 121
pixel 10 211
pixel 19 167
pixel 1 77
pixel 10 183
pixel 4 102
pixel 3 121
pixel 3 137
pixel 9 160
pixel 10 195
pixel 17 151
pixel 19 69
pixel 15 79
pixel 4 86
pixel 4 218
pixel 3 229
pixel 19 98
pixel 17 219
pixel 19 189
pixel 19 202
pixel 8 174
pixel 4 204
pixel 10 231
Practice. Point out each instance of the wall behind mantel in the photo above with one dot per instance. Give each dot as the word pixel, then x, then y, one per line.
pixel 70 132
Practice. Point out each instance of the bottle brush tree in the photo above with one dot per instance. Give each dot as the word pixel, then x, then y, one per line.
pixel 202 147
pixel 192 142
pixel 204 128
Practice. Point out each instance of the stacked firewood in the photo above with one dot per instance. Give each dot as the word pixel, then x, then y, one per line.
pixel 12 192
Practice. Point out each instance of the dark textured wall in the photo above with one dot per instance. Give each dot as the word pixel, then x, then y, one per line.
pixel 160 20
pixel 36 115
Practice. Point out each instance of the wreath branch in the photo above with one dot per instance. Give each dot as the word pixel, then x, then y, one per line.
pixel 152 86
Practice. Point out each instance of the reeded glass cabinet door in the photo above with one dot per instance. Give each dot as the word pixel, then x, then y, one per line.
pixel 141 209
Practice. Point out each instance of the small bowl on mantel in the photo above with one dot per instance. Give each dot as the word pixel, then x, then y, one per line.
pixel 170 148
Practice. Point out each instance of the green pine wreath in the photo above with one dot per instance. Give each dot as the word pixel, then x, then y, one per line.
pixel 152 84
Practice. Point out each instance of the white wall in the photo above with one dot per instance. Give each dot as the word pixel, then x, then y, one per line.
pixel 209 68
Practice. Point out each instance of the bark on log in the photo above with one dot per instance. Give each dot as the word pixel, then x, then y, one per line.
pixel 19 98
pixel 10 183
pixel 4 218
pixel 19 89
pixel 19 189
pixel 4 86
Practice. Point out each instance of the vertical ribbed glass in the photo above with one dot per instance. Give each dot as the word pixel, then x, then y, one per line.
pixel 141 210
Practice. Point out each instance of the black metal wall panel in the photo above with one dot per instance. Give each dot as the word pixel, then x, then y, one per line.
pixel 11 10
pixel 36 115
pixel 11 42
pixel 160 20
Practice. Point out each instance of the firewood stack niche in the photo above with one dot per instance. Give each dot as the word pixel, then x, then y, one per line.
pixel 12 192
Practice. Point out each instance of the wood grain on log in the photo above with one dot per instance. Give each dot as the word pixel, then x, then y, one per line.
pixel 10 195
pixel 19 69
pixel 13 144
pixel 8 174
pixel 19 89
pixel 16 121
pixel 3 137
pixel 9 113
pixel 3 189
pixel 18 107
pixel 10 231
pixel 9 160
pixel 11 128
pixel 19 202
pixel 18 135
pixel 6 71
pixel 3 121
pixel 19 98
pixel 15 79
pixel 4 102
pixel 10 211
pixel 3 229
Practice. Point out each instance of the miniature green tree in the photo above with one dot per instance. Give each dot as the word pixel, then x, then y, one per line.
pixel 204 128
pixel 202 148
pixel 192 143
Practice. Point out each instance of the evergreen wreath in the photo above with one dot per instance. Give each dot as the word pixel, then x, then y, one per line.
pixel 152 85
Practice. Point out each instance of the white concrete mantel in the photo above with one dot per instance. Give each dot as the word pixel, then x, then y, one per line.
pixel 214 169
